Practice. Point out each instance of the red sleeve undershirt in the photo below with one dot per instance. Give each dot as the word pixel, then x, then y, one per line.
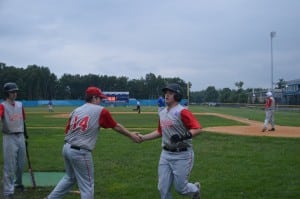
pixel 189 120
pixel 1 110
pixel 106 120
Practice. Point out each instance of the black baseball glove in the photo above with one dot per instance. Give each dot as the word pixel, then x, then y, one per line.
pixel 176 138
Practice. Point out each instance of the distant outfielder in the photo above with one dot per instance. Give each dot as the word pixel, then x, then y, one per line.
pixel 269 109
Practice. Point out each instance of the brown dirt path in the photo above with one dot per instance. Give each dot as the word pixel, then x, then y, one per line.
pixel 253 128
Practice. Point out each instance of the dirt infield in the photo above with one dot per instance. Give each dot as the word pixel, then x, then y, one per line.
pixel 253 128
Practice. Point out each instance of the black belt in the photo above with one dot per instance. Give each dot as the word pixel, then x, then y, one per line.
pixel 75 147
pixel 176 149
pixel 14 133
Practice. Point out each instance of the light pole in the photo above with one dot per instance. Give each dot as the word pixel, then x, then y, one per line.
pixel 272 35
pixel 188 93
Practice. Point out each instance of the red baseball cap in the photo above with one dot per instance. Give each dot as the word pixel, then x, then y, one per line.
pixel 94 91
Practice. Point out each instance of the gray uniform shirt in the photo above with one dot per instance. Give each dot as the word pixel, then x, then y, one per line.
pixel 171 124
pixel 84 126
pixel 13 121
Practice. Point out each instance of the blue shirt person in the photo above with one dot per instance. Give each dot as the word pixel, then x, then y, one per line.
pixel 161 103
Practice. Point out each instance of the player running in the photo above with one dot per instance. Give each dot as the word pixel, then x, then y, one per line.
pixel 80 139
pixel 176 126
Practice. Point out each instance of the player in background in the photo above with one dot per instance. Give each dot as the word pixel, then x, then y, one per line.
pixel 138 107
pixel 12 115
pixel 161 103
pixel 177 126
pixel 50 106
pixel 81 134
pixel 270 110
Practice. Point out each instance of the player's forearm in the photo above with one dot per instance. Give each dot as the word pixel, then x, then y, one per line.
pixel 195 132
pixel 150 136
pixel 121 129
pixel 132 135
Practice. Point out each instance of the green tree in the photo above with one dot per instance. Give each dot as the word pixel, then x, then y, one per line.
pixel 197 96
pixel 211 94
pixel 239 85
pixel 225 95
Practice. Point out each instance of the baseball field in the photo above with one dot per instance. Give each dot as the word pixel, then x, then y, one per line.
pixel 233 159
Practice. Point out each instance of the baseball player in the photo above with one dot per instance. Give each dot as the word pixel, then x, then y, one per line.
pixel 12 115
pixel 138 107
pixel 269 109
pixel 176 126
pixel 161 103
pixel 50 106
pixel 81 134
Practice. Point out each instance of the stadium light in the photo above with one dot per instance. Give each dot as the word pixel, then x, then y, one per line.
pixel 272 35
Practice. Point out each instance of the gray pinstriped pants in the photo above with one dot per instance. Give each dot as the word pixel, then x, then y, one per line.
pixel 14 156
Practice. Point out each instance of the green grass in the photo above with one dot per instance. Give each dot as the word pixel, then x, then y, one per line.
pixel 228 166
pixel 285 118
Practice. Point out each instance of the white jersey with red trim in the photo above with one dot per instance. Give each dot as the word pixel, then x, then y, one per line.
pixel 13 121
pixel 84 126
pixel 171 124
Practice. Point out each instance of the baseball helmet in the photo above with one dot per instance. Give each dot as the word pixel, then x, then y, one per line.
pixel 10 87
pixel 176 89
pixel 269 94
pixel 94 91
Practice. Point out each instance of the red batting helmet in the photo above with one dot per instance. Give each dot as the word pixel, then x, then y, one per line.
pixel 94 91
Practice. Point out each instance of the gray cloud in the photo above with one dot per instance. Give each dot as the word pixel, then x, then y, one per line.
pixel 209 43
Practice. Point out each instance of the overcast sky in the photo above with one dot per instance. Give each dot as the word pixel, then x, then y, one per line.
pixel 206 42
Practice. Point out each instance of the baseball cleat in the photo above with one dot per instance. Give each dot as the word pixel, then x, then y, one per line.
pixel 19 187
pixel 197 194
pixel 264 129
pixel 10 196
pixel 272 129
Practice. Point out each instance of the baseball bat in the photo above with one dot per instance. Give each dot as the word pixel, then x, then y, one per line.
pixel 28 159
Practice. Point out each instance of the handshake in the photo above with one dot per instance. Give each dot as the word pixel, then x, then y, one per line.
pixel 177 138
pixel 138 138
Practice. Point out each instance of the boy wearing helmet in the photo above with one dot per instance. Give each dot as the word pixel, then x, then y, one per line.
pixel 12 116
pixel 176 126
pixel 269 109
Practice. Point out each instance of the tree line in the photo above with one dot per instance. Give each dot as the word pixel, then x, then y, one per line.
pixel 39 83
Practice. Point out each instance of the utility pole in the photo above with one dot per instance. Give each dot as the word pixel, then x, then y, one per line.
pixel 272 35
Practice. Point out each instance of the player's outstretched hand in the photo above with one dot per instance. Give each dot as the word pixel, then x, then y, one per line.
pixel 136 137
pixel 141 136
